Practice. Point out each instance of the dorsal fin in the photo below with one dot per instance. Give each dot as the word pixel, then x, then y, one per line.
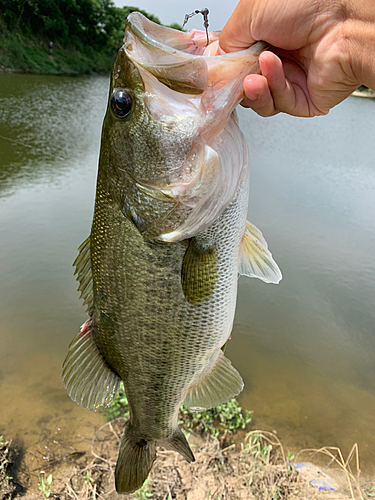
pixel 84 273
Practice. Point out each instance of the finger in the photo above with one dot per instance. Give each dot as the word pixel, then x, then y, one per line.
pixel 287 83
pixel 282 92
pixel 236 34
pixel 258 96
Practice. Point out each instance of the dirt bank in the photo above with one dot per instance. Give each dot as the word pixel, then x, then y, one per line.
pixel 257 468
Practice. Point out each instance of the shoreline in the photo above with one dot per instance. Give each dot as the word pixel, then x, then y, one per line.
pixel 257 468
pixel 364 92
pixel 16 71
pixel 359 92
pixel 247 464
pixel 21 55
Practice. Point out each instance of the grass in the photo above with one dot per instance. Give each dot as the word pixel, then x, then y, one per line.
pixel 23 54
pixel 266 470
pixel 7 488
pixel 119 406
pixel 45 484
pixel 222 421
pixel 349 466
pixel 270 472
pixel 258 469
pixel 144 493
pixel 225 419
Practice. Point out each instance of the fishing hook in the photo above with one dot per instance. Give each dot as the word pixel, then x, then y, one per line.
pixel 204 13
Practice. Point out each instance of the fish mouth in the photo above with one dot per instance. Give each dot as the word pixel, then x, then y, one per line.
pixel 182 60
pixel 194 88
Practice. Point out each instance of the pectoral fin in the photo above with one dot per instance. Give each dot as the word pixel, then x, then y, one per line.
pixel 255 259
pixel 222 383
pixel 199 271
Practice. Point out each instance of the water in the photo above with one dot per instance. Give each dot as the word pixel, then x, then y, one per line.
pixel 305 348
pixel 47 186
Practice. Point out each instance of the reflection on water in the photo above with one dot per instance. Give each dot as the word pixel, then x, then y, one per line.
pixel 305 347
pixel 47 183
pixel 47 125
pixel 310 342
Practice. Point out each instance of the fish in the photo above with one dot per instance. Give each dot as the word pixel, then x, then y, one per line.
pixel 158 273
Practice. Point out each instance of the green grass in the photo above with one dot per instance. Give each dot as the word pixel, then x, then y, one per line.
pixel 119 406
pixel 45 484
pixel 228 417
pixel 26 55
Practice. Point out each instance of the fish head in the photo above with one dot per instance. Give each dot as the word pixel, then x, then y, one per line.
pixel 166 128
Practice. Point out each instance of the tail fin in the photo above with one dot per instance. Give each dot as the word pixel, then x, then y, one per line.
pixel 134 461
pixel 178 443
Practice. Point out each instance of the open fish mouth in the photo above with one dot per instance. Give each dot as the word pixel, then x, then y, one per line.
pixel 182 60
pixel 194 87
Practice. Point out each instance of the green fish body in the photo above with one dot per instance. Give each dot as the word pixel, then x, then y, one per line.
pixel 159 271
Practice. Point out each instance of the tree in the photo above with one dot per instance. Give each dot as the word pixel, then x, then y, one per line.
pixel 98 24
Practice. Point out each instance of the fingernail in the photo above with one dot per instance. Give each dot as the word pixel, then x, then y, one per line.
pixel 249 94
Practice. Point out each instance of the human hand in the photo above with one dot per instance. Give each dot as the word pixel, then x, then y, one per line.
pixel 311 66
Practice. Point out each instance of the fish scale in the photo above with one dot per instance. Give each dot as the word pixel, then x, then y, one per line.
pixel 159 271
pixel 183 335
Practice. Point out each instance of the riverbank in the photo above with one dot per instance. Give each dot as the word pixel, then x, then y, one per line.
pixel 238 464
pixel 254 467
pixel 363 91
pixel 20 54
pixel 62 38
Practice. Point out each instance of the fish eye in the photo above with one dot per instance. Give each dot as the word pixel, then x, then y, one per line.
pixel 121 103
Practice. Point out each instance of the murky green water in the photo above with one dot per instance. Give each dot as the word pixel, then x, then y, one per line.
pixel 306 348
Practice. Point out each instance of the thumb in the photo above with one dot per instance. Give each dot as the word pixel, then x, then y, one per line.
pixel 236 34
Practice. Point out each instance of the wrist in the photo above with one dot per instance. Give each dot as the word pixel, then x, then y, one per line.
pixel 359 35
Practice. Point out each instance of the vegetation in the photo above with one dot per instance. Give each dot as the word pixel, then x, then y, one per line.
pixel 259 470
pixel 256 467
pixel 119 406
pixel 144 493
pixel 45 484
pixel 85 35
pixel 225 419
pixel 7 488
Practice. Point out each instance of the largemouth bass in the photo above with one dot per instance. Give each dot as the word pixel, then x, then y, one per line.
pixel 169 237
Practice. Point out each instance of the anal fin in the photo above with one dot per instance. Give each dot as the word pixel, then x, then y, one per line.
pixel 219 385
pixel 87 378
pixel 255 259
pixel 179 443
